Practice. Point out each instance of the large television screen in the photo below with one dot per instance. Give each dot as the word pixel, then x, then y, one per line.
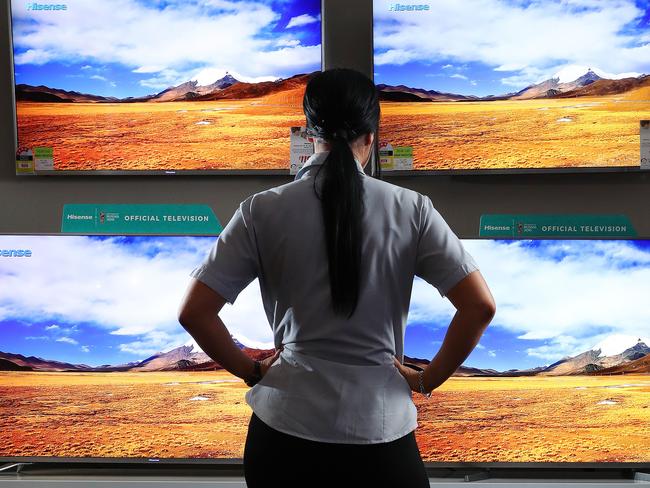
pixel 514 85
pixel 155 86
pixel 94 364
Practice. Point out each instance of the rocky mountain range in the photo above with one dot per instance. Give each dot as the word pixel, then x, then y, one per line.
pixel 590 83
pixel 634 359
pixel 183 358
pixel 593 362
pixel 403 93
pixel 226 88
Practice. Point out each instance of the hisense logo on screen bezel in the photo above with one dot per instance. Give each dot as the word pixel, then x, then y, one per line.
pixel 15 253
pixel 37 7
pixel 401 7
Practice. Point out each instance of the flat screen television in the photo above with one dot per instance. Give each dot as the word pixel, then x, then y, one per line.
pixel 94 365
pixel 139 86
pixel 503 86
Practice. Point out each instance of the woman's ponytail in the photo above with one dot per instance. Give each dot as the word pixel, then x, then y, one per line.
pixel 341 105
pixel 342 203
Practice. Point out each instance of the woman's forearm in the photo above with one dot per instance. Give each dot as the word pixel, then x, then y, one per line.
pixel 463 335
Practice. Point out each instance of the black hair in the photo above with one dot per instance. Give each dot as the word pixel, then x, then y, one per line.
pixel 341 105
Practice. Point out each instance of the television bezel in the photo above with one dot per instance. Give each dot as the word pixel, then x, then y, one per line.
pixel 238 462
pixel 153 172
pixel 496 171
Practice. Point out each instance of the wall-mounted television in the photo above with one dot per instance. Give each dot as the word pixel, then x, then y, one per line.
pixel 139 86
pixel 94 365
pixel 493 86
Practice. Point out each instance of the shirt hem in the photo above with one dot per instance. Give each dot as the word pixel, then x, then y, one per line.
pixel 301 435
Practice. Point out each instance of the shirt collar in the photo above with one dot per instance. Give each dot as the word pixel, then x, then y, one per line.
pixel 316 160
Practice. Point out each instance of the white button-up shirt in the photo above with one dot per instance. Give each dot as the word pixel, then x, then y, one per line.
pixel 335 381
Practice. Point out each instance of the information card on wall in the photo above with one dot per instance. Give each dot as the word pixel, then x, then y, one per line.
pixel 124 219
pixel 302 148
pixel 556 226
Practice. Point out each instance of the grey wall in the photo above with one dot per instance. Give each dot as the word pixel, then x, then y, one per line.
pixel 33 204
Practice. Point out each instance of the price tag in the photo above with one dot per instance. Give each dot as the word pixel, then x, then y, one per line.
pixel 25 162
pixel 403 158
pixel 43 159
pixel 386 156
pixel 302 148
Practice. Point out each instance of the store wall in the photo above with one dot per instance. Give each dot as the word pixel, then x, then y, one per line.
pixel 33 204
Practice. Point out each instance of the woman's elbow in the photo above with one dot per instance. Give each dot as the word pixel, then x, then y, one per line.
pixel 486 310
pixel 481 311
pixel 185 315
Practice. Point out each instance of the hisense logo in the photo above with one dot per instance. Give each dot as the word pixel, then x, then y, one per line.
pixel 15 253
pixel 79 217
pixel 401 7
pixel 47 6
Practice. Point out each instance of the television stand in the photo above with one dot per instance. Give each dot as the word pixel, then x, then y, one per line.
pixel 641 476
pixel 17 466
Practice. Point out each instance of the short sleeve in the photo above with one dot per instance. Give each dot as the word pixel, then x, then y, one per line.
pixel 441 258
pixel 232 263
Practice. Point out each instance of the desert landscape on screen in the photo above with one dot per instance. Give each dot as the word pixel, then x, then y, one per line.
pixel 224 132
pixel 585 131
pixel 204 415
pixel 253 133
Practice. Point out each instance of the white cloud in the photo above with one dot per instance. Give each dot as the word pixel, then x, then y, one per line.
pixel 85 349
pixel 67 340
pixel 181 37
pixel 480 346
pixel 116 288
pixel 591 294
pixel 287 42
pixel 98 77
pixel 149 69
pixel 525 38
pixel 37 338
pixel 300 20
pixel 459 76
pixel 448 66
pixel 492 353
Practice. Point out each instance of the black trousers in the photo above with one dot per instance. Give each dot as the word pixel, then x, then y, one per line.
pixel 275 459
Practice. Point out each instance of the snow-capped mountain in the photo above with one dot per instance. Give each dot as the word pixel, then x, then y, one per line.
pixel 573 81
pixel 558 84
pixel 607 354
pixel 192 89
pixel 573 72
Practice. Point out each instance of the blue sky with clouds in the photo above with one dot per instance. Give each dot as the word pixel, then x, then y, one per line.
pixel 137 47
pixel 483 47
pixel 113 300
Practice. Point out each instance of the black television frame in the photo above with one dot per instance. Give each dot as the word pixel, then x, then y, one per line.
pixel 161 172
pixel 237 463
pixel 498 171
